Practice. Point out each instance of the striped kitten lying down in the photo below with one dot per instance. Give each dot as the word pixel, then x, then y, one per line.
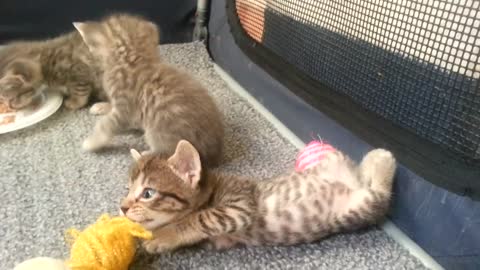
pixel 183 204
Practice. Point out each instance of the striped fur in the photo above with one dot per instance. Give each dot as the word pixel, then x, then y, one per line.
pixel 191 205
pixel 64 64
pixel 145 93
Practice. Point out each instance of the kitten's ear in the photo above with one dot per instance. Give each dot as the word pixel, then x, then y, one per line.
pixel 135 154
pixel 186 163
pixel 154 31
pixel 91 32
pixel 149 31
pixel 81 28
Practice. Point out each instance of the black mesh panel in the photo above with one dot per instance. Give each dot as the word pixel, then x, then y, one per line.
pixel 412 62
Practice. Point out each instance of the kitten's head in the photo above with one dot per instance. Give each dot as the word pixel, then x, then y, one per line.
pixel 117 35
pixel 20 83
pixel 163 190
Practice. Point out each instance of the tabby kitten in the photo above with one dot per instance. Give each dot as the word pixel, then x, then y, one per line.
pixel 183 204
pixel 64 64
pixel 148 94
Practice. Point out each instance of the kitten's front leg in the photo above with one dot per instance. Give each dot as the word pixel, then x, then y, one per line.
pixel 199 226
pixel 106 127
pixel 78 96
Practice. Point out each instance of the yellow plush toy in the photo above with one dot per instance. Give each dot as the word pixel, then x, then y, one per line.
pixel 109 244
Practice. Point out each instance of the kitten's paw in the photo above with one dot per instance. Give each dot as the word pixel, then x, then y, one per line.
pixel 379 167
pixel 165 239
pixel 157 246
pixel 75 103
pixel 95 143
pixel 147 152
pixel 220 243
pixel 208 245
pixel 380 158
pixel 100 108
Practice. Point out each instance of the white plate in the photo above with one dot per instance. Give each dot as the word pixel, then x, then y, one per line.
pixel 50 103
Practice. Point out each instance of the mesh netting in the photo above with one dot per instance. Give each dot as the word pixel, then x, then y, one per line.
pixel 413 62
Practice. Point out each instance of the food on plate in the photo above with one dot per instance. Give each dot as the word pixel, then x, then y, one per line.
pixel 4 108
pixel 7 119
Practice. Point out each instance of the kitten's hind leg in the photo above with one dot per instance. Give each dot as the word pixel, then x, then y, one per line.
pixel 105 129
pixel 337 167
pixel 100 108
pixel 370 203
pixel 377 170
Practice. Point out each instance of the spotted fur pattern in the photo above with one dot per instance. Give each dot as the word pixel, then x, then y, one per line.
pixel 27 68
pixel 146 93
pixel 184 204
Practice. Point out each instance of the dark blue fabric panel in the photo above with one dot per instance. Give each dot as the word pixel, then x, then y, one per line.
pixel 446 225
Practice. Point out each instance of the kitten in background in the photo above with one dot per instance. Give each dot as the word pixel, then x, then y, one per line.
pixel 148 94
pixel 27 68
pixel 183 203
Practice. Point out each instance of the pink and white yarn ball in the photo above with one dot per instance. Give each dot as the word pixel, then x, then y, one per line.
pixel 312 154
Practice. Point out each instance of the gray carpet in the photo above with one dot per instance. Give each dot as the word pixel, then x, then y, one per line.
pixel 48 185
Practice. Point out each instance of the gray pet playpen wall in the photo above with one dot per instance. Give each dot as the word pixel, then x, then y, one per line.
pixel 403 75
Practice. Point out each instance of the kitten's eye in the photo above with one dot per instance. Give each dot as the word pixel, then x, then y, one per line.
pixel 148 193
